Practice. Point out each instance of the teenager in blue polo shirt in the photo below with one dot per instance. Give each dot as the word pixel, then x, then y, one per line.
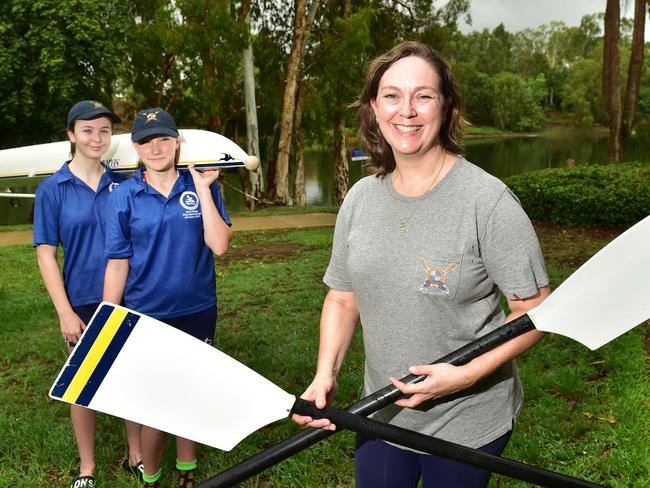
pixel 163 229
pixel 69 211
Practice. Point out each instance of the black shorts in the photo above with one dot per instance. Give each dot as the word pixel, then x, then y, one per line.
pixel 86 312
pixel 201 325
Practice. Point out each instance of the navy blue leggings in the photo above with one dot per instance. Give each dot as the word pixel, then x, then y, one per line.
pixel 380 465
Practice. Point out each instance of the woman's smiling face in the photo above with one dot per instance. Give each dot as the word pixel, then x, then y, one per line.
pixel 158 153
pixel 408 107
pixel 91 137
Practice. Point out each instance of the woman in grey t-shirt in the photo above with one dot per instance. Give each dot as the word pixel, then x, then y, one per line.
pixel 422 251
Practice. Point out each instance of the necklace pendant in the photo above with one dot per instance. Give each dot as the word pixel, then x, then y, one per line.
pixel 402 227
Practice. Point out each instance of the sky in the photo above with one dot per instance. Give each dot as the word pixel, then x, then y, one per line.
pixel 521 14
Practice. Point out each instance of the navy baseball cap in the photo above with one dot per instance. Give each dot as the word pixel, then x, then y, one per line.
pixel 90 109
pixel 153 122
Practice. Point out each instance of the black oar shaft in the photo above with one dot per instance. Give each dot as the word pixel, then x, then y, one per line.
pixel 370 404
pixel 439 447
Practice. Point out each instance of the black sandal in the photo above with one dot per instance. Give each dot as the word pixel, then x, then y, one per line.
pixel 137 470
pixel 83 482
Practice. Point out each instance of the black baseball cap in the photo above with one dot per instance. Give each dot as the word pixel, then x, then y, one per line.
pixel 90 109
pixel 153 122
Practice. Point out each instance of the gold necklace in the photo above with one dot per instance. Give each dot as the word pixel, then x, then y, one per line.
pixel 403 223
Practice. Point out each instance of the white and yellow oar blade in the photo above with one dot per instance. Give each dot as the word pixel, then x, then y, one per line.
pixel 606 296
pixel 137 368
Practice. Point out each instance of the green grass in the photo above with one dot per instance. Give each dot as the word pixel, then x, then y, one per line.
pixel 286 210
pixel 15 228
pixel 587 414
pixel 483 131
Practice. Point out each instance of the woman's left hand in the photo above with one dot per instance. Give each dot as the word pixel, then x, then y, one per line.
pixel 204 178
pixel 442 380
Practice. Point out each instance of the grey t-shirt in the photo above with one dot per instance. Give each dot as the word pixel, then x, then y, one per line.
pixel 426 292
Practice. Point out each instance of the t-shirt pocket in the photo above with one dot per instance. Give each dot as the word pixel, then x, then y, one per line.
pixel 439 277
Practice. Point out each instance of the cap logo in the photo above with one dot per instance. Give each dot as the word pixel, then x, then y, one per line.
pixel 97 105
pixel 151 117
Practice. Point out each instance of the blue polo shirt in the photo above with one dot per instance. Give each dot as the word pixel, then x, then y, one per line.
pixel 171 269
pixel 70 213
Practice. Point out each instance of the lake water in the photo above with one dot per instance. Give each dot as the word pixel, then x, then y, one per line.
pixel 502 157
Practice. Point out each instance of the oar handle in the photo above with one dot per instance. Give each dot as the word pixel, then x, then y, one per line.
pixel 463 355
pixel 370 404
pixel 439 447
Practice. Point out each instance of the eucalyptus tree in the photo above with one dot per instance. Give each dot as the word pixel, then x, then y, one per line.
pixel 301 27
pixel 621 118
pixel 186 58
pixel 252 128
pixel 343 45
pixel 53 54
pixel 635 70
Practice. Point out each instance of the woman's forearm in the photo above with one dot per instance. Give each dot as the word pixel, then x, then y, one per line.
pixel 338 321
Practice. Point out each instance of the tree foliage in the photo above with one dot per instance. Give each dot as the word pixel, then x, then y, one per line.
pixel 185 55
pixel 53 54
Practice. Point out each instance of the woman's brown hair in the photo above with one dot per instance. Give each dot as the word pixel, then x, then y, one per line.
pixel 372 140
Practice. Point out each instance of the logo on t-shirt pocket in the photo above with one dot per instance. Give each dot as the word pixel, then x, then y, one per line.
pixel 440 278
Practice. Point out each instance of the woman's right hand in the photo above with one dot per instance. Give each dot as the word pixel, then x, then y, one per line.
pixel 321 391
pixel 71 327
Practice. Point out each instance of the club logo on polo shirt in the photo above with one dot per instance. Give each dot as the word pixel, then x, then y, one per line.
pixel 190 202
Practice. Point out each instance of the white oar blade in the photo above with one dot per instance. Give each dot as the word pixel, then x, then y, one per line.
pixel 137 368
pixel 606 296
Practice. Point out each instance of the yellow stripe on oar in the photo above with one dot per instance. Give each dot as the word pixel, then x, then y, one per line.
pixel 94 355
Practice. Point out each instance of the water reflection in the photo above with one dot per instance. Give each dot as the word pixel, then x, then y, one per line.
pixel 501 157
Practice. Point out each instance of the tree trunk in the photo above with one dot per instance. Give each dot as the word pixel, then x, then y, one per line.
pixel 299 194
pixel 611 80
pixel 252 133
pixel 289 103
pixel 341 170
pixel 634 70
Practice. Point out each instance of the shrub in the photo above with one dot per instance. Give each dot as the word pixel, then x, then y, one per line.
pixel 614 195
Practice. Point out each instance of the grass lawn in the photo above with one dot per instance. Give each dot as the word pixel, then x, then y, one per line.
pixel 587 414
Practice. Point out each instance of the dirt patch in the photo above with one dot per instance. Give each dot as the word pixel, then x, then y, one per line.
pixel 256 247
pixel 259 252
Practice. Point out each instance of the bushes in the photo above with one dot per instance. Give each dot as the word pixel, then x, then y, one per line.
pixel 615 195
